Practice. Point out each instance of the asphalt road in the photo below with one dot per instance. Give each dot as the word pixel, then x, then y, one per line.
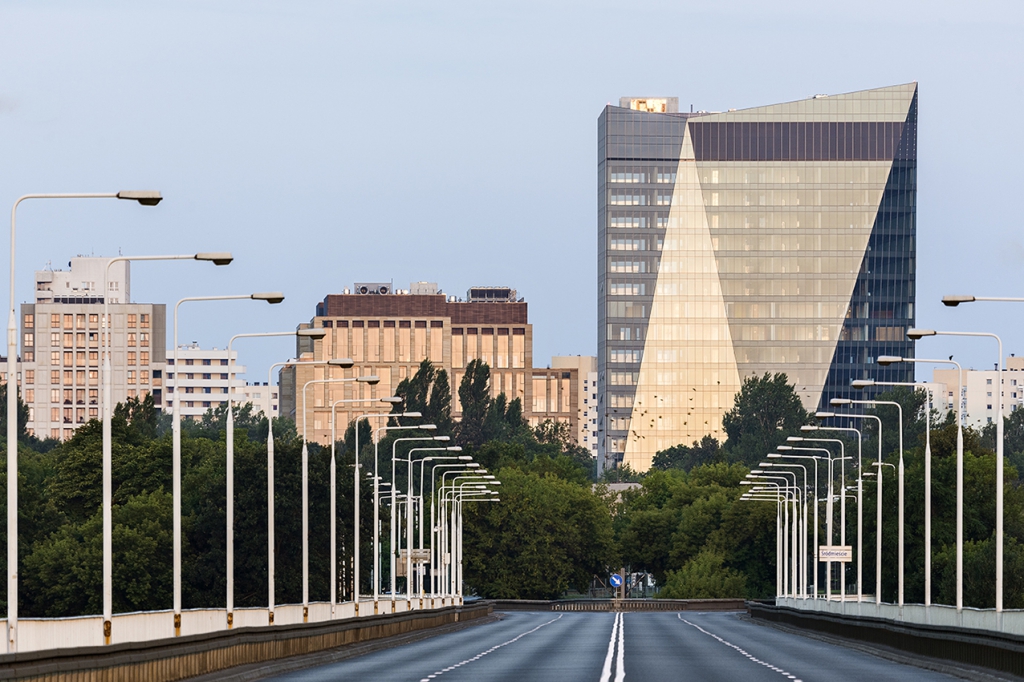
pixel 606 647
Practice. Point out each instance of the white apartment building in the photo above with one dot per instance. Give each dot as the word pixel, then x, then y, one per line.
pixel 264 398
pixel 586 366
pixel 202 377
pixel 980 391
pixel 60 345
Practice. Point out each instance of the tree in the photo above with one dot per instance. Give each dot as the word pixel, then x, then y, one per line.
pixel 475 399
pixel 547 535
pixel 707 451
pixel 766 411
pixel 427 392
pixel 705 577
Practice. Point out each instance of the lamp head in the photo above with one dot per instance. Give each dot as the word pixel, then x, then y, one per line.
pixel 472 465
pixel 394 400
pixel 216 257
pixel 745 482
pixel 823 415
pixel 794 439
pixel 456 448
pixel 888 359
pixel 954 301
pixel 312 333
pixel 463 458
pixel 839 402
pixel 862 383
pixel 809 427
pixel 411 415
pixel 427 427
pixel 268 296
pixel 784 448
pixel 756 471
pixel 765 464
pixel 915 334
pixel 443 439
pixel 373 379
pixel 146 197
pixel 344 363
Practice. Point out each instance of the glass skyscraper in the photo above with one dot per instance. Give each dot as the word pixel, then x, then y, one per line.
pixel 773 239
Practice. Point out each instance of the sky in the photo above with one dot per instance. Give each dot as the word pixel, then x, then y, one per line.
pixel 327 143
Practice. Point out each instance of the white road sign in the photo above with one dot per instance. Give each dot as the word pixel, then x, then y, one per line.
pixel 835 553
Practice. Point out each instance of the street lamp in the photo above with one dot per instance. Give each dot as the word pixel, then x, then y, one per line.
pixel 788 577
pixel 423 461
pixel 890 359
pixel 436 539
pixel 269 297
pixel 144 197
pixel 803 554
pixel 105 384
pixel 344 363
pixel 864 383
pixel 316 333
pixel 916 334
pixel 393 530
pixel 392 400
pixel 357 501
pixel 838 402
pixel 778 455
pixel 829 520
pixel 371 380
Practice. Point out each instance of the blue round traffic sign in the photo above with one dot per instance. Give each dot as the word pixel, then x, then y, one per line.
pixel 615 580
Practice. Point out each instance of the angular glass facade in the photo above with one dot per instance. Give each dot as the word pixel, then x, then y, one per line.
pixel 774 239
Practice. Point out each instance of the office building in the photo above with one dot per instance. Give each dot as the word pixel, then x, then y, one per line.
pixel 60 345
pixel 203 377
pixel 586 405
pixel 731 244
pixel 388 332
pixel 264 398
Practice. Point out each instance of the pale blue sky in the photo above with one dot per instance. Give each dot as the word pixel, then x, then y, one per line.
pixel 326 143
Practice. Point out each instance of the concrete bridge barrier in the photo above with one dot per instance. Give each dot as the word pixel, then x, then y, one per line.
pixel 617 605
pixel 179 658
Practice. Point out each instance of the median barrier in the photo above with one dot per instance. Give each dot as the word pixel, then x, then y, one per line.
pixel 179 658
pixel 987 649
pixel 617 605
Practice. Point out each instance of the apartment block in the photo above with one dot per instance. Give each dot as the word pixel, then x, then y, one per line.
pixel 203 376
pixel 60 345
pixel 981 389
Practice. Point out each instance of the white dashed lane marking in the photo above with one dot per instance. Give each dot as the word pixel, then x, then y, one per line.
pixel 748 655
pixel 488 651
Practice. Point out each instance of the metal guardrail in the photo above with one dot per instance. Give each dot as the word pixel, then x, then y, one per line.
pixel 993 650
pixel 617 605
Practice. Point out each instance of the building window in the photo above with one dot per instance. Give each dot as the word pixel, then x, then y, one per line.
pixel 94 321
pixel 206 362
pixel 223 376
pixel 223 363
pixel 30 376
pixel 30 320
pixel 131 339
pixel 94 396
pixel 206 403
pixel 54 321
pixel 30 339
pixel 144 320
pixel 189 362
pixel 144 357
pixel 69 321
pixel 131 357
pixel 30 395
pixel 144 376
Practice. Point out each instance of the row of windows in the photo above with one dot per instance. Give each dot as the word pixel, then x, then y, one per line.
pixel 205 362
pixel 373 324
pixel 205 375
pixel 642 176
pixel 78 321
pixel 78 358
pixel 73 340
pixel 204 389
pixel 645 199
pixel 91 377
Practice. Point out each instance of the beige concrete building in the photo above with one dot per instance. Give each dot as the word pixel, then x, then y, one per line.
pixel 586 403
pixel 388 333
pixel 60 351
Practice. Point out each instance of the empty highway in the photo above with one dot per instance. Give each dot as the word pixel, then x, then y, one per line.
pixel 608 647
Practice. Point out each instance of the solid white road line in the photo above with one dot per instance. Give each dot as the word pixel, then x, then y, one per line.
pixel 491 650
pixel 617 637
pixel 620 673
pixel 749 656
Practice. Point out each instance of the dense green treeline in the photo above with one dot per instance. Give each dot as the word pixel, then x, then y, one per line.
pixel 555 530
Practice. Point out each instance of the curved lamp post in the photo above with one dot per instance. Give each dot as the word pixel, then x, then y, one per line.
pixel 144 197
pixel 917 334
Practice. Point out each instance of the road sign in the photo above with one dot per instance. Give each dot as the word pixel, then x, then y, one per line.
pixel 843 553
pixel 615 580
